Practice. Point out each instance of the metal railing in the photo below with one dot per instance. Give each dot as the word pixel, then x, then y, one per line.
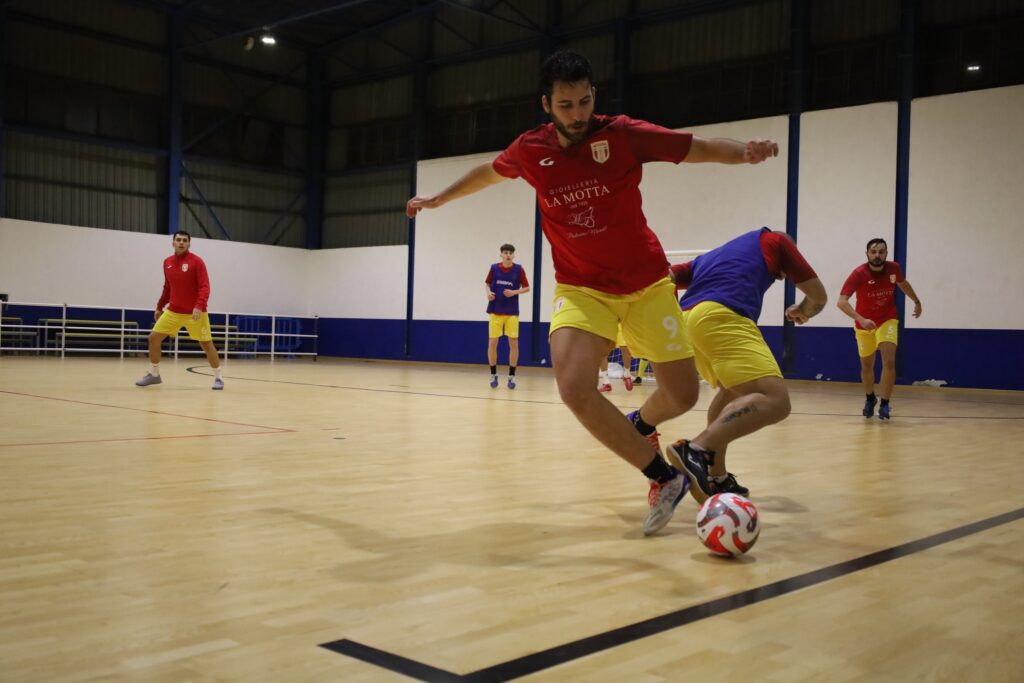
pixel 50 333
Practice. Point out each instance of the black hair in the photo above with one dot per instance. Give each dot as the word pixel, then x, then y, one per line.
pixel 182 232
pixel 567 66
pixel 507 247
pixel 876 240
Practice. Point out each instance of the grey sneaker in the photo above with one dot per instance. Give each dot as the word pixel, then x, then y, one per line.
pixel 148 379
pixel 218 383
pixel 663 499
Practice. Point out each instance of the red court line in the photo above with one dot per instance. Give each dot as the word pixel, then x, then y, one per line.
pixel 140 438
pixel 144 410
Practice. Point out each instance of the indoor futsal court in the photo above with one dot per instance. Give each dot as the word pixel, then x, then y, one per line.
pixel 370 521
pixel 357 341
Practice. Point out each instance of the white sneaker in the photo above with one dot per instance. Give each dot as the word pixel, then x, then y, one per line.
pixel 218 383
pixel 663 499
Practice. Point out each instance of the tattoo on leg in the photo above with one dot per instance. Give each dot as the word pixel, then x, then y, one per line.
pixel 739 413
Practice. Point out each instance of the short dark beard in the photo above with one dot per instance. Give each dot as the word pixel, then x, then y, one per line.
pixel 573 138
pixel 880 266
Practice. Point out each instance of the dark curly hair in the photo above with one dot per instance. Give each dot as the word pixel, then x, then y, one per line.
pixel 567 66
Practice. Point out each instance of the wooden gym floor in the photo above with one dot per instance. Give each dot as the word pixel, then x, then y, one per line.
pixel 372 521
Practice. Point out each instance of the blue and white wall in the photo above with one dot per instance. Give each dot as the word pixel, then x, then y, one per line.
pixel 964 247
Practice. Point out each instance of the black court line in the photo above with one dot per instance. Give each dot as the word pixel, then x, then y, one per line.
pixel 195 370
pixel 601 642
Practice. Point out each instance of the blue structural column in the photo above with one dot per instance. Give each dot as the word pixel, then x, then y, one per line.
pixel 316 143
pixel 799 28
pixel 3 108
pixel 175 41
pixel 908 21
pixel 419 135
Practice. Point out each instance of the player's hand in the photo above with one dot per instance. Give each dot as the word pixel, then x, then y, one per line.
pixel 796 315
pixel 509 293
pixel 196 313
pixel 417 203
pixel 759 150
pixel 867 324
pixel 156 314
pixel 490 296
pixel 917 310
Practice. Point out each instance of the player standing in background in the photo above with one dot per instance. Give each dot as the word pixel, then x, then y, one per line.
pixel 186 293
pixel 586 169
pixel 876 320
pixel 506 281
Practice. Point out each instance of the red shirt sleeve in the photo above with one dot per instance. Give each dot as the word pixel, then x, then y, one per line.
pixel 523 282
pixel 851 284
pixel 488 278
pixel 898 272
pixel 509 162
pixel 782 256
pixel 651 142
pixel 202 285
pixel 682 273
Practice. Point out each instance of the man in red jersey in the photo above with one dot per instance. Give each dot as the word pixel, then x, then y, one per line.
pixel 186 289
pixel 586 169
pixel 876 318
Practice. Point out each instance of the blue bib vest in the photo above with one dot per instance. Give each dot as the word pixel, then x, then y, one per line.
pixel 734 275
pixel 500 281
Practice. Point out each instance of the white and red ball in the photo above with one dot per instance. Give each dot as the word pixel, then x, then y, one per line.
pixel 728 524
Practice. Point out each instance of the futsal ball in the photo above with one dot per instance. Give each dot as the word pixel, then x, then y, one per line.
pixel 728 524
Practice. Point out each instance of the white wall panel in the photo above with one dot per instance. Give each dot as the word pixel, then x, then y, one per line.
pixel 701 206
pixel 457 243
pixel 48 263
pixel 847 192
pixel 965 238
pixel 361 282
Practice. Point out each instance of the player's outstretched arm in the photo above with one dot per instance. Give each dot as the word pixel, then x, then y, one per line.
pixel 476 179
pixel 729 151
pixel 909 291
pixel 815 298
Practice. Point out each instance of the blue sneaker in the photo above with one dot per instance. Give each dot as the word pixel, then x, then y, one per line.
pixel 883 411
pixel 663 499
pixel 494 381
pixel 218 383
pixel 869 407
pixel 148 379
pixel 511 383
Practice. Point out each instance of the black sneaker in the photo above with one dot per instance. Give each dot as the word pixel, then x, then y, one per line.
pixel 730 485
pixel 883 411
pixel 869 406
pixel 695 464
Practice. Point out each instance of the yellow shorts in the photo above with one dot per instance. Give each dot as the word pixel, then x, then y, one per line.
pixel 171 323
pixel 619 339
pixel 728 347
pixel 868 340
pixel 652 323
pixel 498 325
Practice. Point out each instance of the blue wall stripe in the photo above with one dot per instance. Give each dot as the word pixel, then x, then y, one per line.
pixel 827 353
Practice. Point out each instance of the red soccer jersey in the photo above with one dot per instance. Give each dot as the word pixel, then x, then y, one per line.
pixel 875 290
pixel 589 197
pixel 186 284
